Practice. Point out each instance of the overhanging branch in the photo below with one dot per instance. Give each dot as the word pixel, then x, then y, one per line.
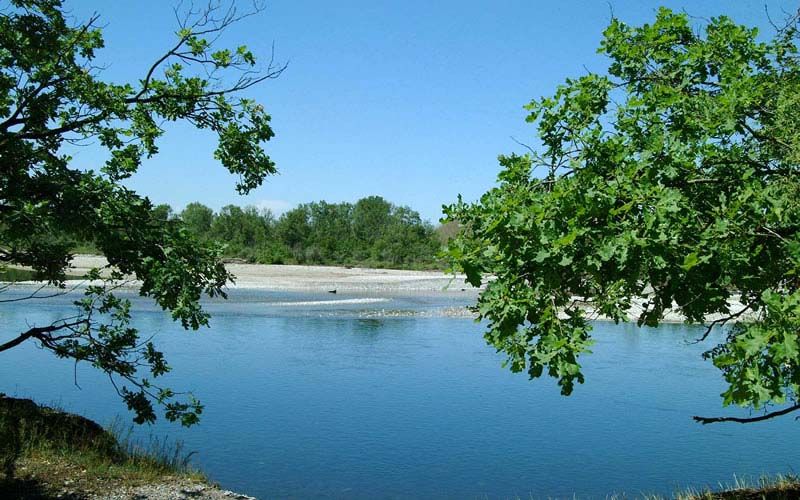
pixel 40 333
pixel 747 420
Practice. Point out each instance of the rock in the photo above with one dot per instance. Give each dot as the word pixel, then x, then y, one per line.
pixel 174 490
pixel 238 496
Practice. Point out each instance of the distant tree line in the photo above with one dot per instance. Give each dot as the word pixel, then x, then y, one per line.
pixel 371 232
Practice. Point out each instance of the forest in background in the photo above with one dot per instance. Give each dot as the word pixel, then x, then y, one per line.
pixel 371 232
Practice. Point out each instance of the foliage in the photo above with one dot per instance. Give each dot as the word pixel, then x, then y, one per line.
pixel 371 218
pixel 52 96
pixel 240 228
pixel 162 212
pixel 674 179
pixel 370 232
pixel 197 218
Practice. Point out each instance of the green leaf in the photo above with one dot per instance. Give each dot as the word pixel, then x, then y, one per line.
pixel 690 261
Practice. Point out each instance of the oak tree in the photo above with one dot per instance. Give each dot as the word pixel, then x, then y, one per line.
pixel 53 95
pixel 671 182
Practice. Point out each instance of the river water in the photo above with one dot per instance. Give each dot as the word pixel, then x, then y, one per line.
pixel 390 396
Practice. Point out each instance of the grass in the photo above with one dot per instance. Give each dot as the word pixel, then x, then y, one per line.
pixel 777 487
pixel 46 452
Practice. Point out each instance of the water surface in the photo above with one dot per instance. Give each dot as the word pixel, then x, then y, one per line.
pixel 391 397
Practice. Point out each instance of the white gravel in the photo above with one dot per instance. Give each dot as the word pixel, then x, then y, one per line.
pixel 175 490
pixel 319 278
pixel 368 281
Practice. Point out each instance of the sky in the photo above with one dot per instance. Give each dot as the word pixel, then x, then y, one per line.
pixel 410 100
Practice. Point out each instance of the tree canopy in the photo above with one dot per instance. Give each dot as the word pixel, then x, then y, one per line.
pixel 371 232
pixel 672 182
pixel 52 96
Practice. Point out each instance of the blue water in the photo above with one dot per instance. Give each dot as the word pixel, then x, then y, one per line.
pixel 389 399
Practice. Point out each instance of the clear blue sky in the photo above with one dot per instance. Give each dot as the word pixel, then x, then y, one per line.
pixel 411 100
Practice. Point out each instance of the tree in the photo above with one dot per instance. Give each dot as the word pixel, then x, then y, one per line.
pixel 406 239
pixel 51 96
pixel 331 231
pixel 163 212
pixel 239 228
pixel 371 216
pixel 672 181
pixel 371 231
pixel 197 218
pixel 293 229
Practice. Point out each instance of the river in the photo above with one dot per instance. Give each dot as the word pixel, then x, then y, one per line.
pixel 390 396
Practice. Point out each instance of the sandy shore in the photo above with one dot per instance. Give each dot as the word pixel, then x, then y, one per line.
pixel 368 282
pixel 321 278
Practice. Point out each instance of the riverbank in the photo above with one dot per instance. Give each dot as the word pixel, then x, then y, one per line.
pixel 321 279
pixel 766 488
pixel 369 282
pixel 47 453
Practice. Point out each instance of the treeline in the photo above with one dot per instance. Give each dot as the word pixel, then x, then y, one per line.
pixel 371 232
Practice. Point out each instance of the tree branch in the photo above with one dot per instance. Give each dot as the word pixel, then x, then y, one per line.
pixel 747 420
pixel 40 333
pixel 723 321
